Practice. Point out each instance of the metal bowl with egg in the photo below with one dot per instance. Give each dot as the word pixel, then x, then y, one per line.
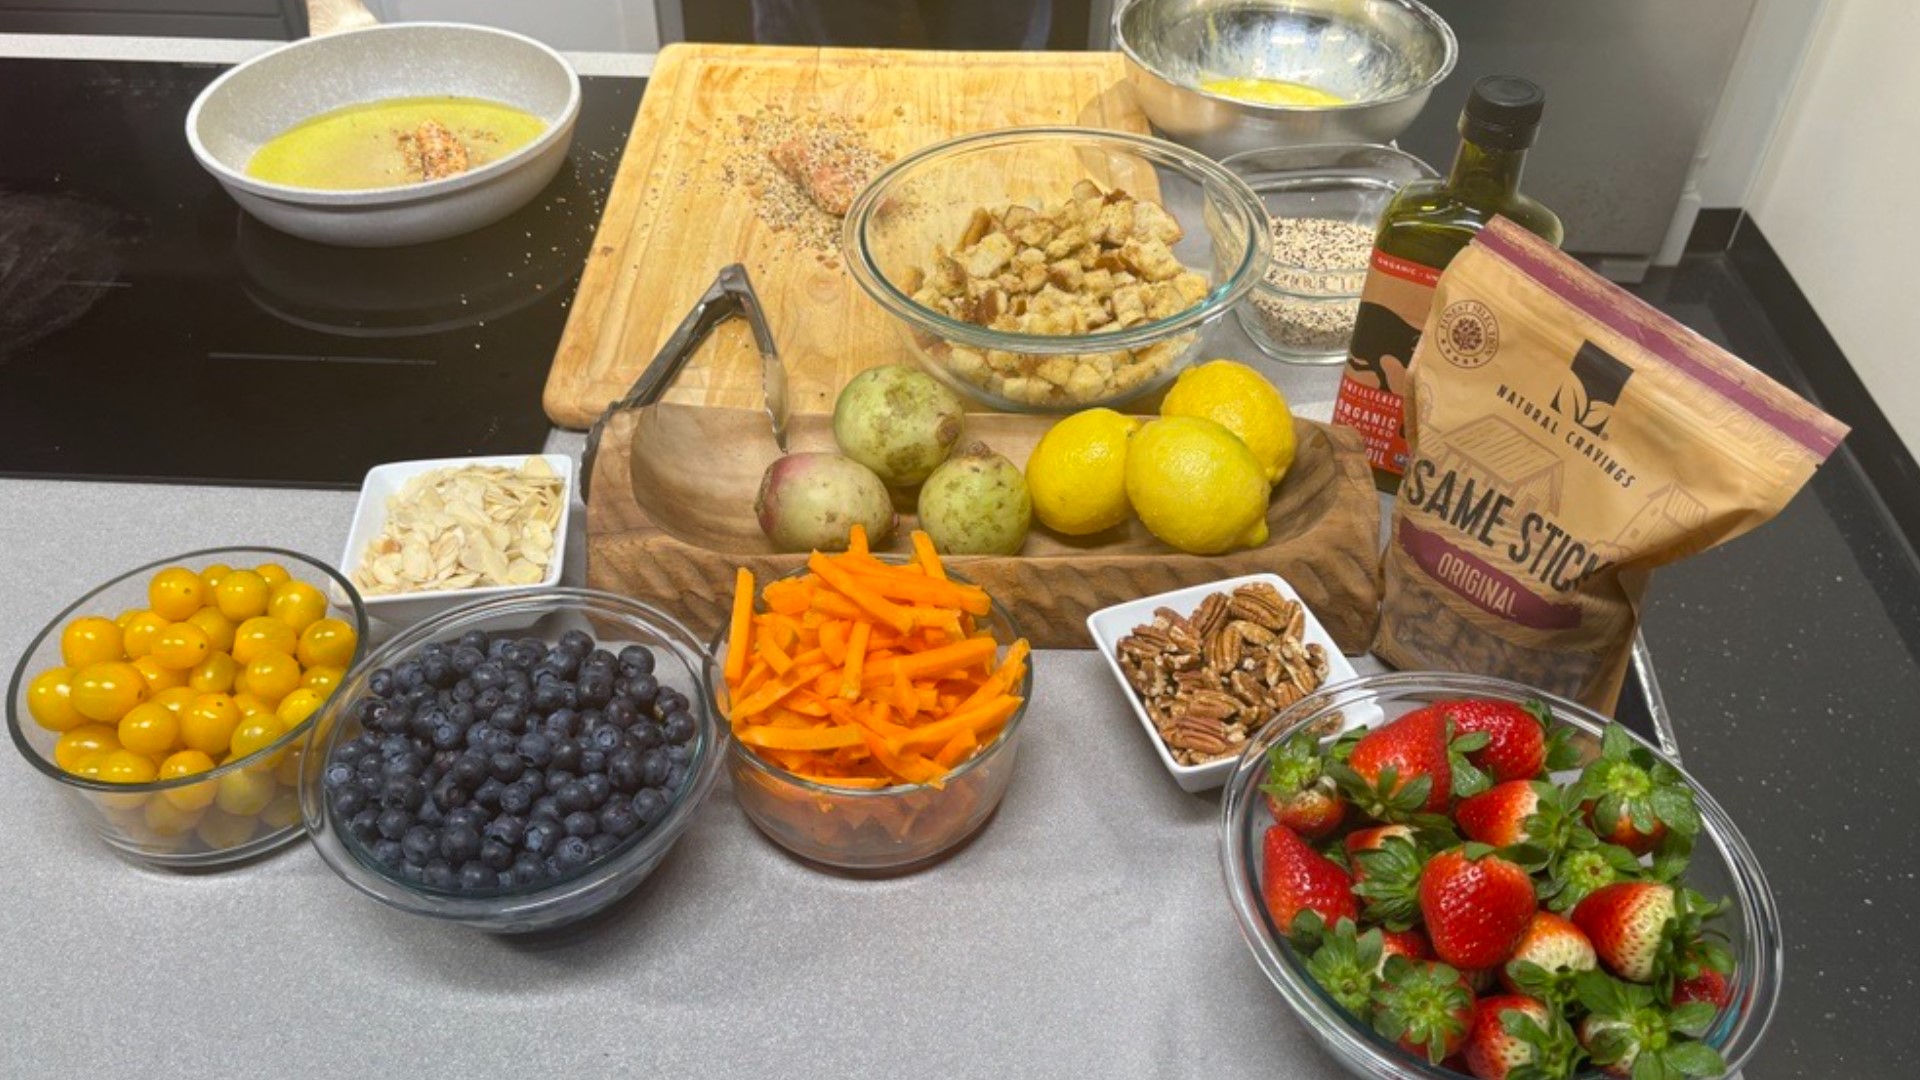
pixel 1339 71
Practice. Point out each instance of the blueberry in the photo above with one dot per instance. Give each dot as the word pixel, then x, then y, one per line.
pixel 618 819
pixel 646 735
pixel 364 824
pixel 669 699
pixel 391 717
pixel 350 751
pixel 496 855
pixel 507 829
pixel 636 660
pixel 557 778
pixel 487 795
pixel 404 765
pixel 572 796
pixel 566 755
pixel 605 738
pixel 438 670
pixel 527 869
pixel 338 775
pixel 497 648
pixel 547 807
pixel 450 796
pixel 441 649
pixel 600 658
pixel 411 873
pixel 519 692
pixel 678 727
pixel 598 788
pixel 488 700
pixel 438 875
pixel 590 721
pixel 464 691
pixel 643 689
pixel 653 768
pixel 576 643
pixel 570 696
pixel 506 767
pixel 382 683
pixel 593 760
pixel 572 853
pixel 476 640
pixel 541 837
pixel 348 802
pixel 368 766
pixel 388 852
pixel 508 717
pixel 403 793
pixel 393 823
pixel 448 736
pixel 430 813
pixel 419 845
pixel 475 876
pixel 534 781
pixel 620 713
pixel 535 749
pixel 602 844
pixel 623 771
pixel 488 676
pixel 676 777
pixel 679 755
pixel 596 687
pixel 420 695
pixel 523 654
pixel 459 842
pixel 650 805
pixel 468 772
pixel 516 799
pixel 548 695
pixel 560 723
pixel 580 823
pixel 500 742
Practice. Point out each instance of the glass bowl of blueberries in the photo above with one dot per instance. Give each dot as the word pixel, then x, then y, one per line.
pixel 514 764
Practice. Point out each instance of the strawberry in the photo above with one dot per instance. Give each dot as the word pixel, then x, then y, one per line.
pixel 1518 746
pixel 1423 1006
pixel 1475 905
pixel 1347 965
pixel 1551 951
pixel 1411 944
pixel 1514 1035
pixel 1299 795
pixel 1628 925
pixel 1386 873
pixel 1409 767
pixel 1632 798
pixel 1709 986
pixel 1364 840
pixel 1585 866
pixel 1498 816
pixel 1298 879
pixel 1626 1033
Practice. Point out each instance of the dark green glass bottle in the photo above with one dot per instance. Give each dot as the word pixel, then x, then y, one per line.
pixel 1423 228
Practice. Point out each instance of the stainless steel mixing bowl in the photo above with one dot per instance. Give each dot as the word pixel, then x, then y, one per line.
pixel 1383 56
pixel 272 92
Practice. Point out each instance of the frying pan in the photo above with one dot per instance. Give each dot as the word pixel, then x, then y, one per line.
pixel 263 97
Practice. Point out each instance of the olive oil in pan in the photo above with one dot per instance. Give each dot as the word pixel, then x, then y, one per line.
pixel 381 144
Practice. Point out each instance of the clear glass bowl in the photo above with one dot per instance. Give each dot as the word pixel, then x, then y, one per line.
pixel 927 199
pixel 615 622
pixel 146 821
pixel 1723 865
pixel 891 830
pixel 1300 313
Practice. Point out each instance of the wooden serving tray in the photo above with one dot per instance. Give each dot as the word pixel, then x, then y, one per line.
pixel 672 221
pixel 670 517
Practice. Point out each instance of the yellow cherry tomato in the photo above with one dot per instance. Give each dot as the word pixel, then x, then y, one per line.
pixel 260 634
pixel 90 640
pixel 176 592
pixel 188 763
pixel 50 700
pixel 244 793
pixel 126 767
pixel 328 642
pixel 149 729
pixel 288 771
pixel 177 699
pixel 272 675
pixel 78 743
pixel 159 676
pixel 105 692
pixel 283 811
pixel 322 678
pixel 251 706
pixel 214 675
pixel 212 575
pixel 294 709
pixel 121 620
pixel 182 646
pixel 208 723
pixel 220 831
pixel 137 639
pixel 256 733
pixel 297 604
pixel 273 574
pixel 241 595
pixel 89 765
pixel 217 627
pixel 166 819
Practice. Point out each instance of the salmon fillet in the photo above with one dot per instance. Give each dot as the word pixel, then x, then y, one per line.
pixel 830 175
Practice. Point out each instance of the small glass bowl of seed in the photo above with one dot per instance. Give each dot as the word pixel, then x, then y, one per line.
pixel 1324 203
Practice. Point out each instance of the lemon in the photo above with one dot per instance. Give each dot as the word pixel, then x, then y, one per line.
pixel 1196 486
pixel 1077 473
pixel 1241 400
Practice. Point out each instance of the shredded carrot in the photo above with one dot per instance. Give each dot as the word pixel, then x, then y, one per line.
pixel 864 673
pixel 857 539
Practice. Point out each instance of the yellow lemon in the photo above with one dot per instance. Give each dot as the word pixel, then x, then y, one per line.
pixel 1077 472
pixel 1196 486
pixel 1241 400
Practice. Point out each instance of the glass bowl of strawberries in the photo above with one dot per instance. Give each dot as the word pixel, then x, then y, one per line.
pixel 1450 875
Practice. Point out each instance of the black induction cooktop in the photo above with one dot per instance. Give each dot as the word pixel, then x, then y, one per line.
pixel 150 330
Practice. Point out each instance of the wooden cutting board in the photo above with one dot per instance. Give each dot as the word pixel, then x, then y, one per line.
pixel 672 221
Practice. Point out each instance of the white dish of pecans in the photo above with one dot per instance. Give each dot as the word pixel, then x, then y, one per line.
pixel 430 535
pixel 1205 668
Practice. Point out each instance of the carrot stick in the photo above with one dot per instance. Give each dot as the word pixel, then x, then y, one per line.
pixel 844 583
pixel 926 556
pixel 937 662
pixel 856 655
pixel 976 720
pixel 833 641
pixel 769 650
pixel 762 699
pixel 894 584
pixel 821 738
pixel 1003 679
pixel 857 539
pixel 788 597
pixel 958 749
pixel 737 631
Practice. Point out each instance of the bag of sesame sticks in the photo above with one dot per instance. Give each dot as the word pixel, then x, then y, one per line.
pixel 1566 439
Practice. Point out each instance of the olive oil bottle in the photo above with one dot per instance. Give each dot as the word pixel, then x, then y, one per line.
pixel 1422 229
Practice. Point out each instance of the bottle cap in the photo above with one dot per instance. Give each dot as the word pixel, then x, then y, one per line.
pixel 1503 112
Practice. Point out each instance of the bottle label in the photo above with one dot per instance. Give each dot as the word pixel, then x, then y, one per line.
pixel 1393 307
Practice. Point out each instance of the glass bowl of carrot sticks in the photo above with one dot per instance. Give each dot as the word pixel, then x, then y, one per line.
pixel 874 704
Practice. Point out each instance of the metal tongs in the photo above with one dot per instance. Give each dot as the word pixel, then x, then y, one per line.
pixel 730 295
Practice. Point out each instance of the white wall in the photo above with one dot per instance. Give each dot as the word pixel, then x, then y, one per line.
pixel 1835 195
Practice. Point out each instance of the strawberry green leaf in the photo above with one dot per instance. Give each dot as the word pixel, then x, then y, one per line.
pixel 1611 1045
pixel 1674 806
pixel 1694 1059
pixel 1692 1018
pixel 1599 993
pixel 1468 743
pixel 1650 1067
pixel 1562 753
pixel 1671 857
pixel 1292 766
pixel 1615 743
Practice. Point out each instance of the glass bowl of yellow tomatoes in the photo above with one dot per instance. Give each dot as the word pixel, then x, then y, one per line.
pixel 170 703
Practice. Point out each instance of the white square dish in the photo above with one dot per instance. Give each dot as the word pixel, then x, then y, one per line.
pixel 370 517
pixel 1109 625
